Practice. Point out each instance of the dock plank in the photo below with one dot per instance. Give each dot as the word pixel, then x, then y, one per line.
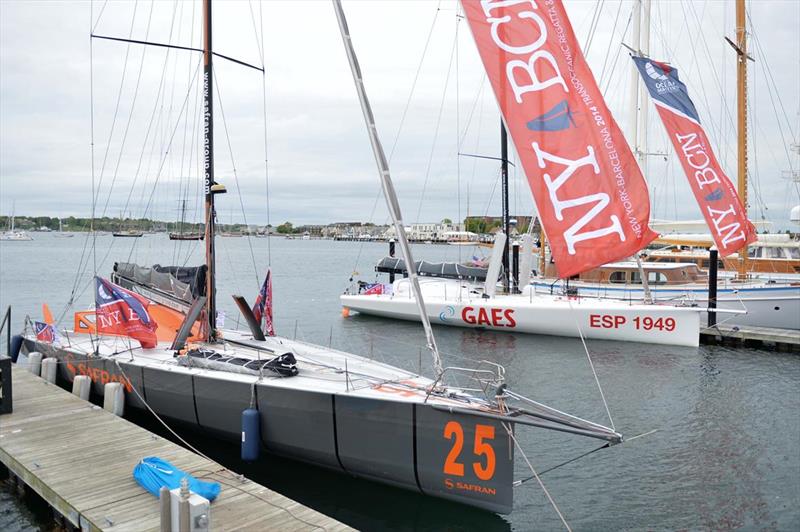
pixel 80 458
pixel 785 339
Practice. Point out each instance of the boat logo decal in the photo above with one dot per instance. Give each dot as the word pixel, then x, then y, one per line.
pixel 96 374
pixel 716 195
pixel 448 312
pixel 558 118
pixel 495 317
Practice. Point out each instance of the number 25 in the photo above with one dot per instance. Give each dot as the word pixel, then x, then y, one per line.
pixel 454 431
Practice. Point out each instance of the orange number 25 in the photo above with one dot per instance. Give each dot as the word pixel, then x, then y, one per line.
pixel 454 431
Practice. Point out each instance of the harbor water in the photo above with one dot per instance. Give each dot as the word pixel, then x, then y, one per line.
pixel 721 426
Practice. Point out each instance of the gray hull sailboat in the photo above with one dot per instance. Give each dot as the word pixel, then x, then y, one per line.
pixel 316 404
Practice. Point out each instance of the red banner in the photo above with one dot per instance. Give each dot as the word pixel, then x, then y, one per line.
pixel 588 189
pixel 120 311
pixel 718 200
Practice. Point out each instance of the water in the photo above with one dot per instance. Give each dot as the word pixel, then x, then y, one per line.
pixel 726 453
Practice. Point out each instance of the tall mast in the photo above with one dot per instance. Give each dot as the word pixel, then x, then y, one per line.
pixel 644 48
pixel 741 105
pixel 506 220
pixel 633 117
pixel 208 150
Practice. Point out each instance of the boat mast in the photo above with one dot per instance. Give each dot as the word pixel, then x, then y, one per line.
pixel 208 150
pixel 506 218
pixel 741 104
pixel 388 187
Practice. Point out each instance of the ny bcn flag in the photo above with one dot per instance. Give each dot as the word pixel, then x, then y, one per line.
pixel 590 194
pixel 123 313
pixel 262 308
pixel 722 208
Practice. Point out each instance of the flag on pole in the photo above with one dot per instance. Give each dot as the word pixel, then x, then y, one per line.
pixel 122 312
pixel 44 332
pixel 262 309
pixel 722 208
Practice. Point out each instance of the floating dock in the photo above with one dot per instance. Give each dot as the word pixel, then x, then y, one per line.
pixel 80 458
pixel 781 339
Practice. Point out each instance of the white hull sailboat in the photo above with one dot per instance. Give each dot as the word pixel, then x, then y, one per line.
pixel 454 303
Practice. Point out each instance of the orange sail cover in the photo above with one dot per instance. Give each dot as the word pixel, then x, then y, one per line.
pixel 589 191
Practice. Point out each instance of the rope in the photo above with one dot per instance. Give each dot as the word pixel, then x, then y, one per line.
pixel 201 454
pixel 538 479
pixel 591 364
pixel 436 129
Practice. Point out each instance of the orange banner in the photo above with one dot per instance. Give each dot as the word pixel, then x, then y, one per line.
pixel 589 191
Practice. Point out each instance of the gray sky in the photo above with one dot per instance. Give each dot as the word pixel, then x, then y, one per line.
pixel 320 163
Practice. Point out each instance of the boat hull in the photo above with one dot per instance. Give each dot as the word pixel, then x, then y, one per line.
pixel 389 438
pixel 767 306
pixel 549 315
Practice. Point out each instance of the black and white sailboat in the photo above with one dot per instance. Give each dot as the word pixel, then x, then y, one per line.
pixel 327 407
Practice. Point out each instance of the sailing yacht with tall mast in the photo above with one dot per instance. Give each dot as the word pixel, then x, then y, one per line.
pixel 585 182
pixel 317 404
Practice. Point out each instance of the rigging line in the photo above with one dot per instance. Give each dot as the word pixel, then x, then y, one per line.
pixel 160 97
pixel 768 70
pixel 96 185
pixel 610 41
pixel 163 159
pixel 402 121
pixel 436 129
pixel 762 60
pixel 591 363
pixel 93 24
pixel 235 174
pixel 458 146
pixel 110 247
pixel 536 475
pixel 258 36
pixel 574 459
pixel 711 62
pixel 598 11
pixel 119 100
pixel 130 119
pixel 463 137
pixel 268 229
pixel 176 47
pixel 189 445
pixel 618 54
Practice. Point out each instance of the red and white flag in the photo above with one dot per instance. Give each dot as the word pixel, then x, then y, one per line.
pixel 721 206
pixel 589 191
pixel 262 308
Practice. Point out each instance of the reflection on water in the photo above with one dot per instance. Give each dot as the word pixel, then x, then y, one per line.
pixel 725 454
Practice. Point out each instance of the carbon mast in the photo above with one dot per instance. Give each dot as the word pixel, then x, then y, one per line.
pixel 210 186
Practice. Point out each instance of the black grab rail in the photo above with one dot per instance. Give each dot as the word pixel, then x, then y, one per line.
pixel 7 323
pixel 5 367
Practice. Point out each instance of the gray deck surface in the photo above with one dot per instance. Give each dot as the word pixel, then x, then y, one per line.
pixel 80 459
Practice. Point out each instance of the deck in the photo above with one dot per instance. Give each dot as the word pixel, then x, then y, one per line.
pixel 79 459
pixel 782 339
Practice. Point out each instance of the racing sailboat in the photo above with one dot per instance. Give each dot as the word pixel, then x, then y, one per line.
pixel 324 406
pixel 590 195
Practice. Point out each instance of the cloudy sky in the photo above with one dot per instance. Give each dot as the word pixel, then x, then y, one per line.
pixel 143 106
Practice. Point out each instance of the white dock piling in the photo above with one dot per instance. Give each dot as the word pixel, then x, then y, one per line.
pixel 49 369
pixel 35 363
pixel 114 398
pixel 81 386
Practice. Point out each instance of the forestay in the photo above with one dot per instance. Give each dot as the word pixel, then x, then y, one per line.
pixel 588 189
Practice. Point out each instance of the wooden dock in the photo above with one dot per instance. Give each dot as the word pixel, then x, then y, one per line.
pixel 782 339
pixel 80 458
